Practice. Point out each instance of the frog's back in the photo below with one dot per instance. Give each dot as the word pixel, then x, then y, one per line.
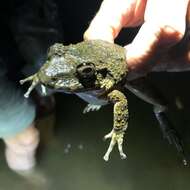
pixel 99 51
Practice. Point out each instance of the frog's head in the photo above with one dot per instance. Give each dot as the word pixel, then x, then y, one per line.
pixel 64 70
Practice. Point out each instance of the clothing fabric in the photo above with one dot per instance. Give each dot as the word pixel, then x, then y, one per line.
pixel 16 112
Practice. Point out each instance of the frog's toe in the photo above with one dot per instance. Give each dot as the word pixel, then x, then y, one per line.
pixel 44 90
pixel 27 94
pixel 86 109
pixel 22 82
pixel 91 107
pixel 30 78
pixel 123 156
pixel 96 107
pixel 106 157
pixel 108 136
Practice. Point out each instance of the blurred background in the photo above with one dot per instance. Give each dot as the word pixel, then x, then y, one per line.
pixel 71 149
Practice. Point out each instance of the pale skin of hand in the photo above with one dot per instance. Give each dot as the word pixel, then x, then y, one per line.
pixel 163 24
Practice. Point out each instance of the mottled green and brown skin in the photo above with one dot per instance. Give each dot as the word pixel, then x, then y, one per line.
pixel 95 69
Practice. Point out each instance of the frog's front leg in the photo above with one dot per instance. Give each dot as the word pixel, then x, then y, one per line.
pixel 107 83
pixel 35 80
pixel 120 123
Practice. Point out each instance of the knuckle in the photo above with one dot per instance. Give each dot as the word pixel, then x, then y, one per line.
pixel 171 30
pixel 31 139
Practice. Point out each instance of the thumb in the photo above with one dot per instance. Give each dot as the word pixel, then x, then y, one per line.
pixel 99 32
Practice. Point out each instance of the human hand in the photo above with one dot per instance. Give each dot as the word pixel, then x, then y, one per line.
pixel 163 25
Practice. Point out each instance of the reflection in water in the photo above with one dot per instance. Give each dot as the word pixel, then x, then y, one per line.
pixel 35 178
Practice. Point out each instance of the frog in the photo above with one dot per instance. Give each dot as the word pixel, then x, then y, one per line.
pixel 97 72
pixel 95 67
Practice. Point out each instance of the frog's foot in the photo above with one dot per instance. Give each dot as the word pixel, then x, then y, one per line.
pixel 35 81
pixel 91 107
pixel 116 137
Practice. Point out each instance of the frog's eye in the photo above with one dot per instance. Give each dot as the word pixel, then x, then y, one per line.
pixel 86 74
pixel 86 70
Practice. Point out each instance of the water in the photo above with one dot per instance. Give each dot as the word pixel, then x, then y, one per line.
pixel 71 151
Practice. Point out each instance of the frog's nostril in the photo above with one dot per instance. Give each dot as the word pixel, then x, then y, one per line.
pixel 53 79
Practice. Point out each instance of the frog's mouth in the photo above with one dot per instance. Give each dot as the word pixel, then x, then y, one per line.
pixel 65 84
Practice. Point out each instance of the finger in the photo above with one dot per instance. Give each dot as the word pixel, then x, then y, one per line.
pixel 164 26
pixel 113 15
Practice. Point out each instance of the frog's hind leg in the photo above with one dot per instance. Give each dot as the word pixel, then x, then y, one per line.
pixel 120 148
pixel 110 148
pixel 142 89
pixel 120 123
pixel 112 144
